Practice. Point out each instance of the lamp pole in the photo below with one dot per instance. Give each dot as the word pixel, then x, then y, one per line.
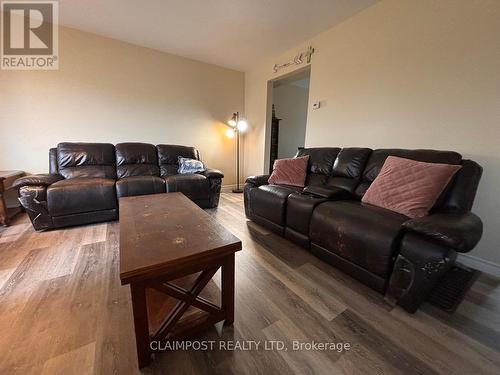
pixel 237 190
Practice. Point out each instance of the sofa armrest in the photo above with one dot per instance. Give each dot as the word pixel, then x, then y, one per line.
pixel 258 180
pixel 419 266
pixel 213 173
pixel 34 201
pixel 328 192
pixel 44 179
pixel 459 231
pixel 251 183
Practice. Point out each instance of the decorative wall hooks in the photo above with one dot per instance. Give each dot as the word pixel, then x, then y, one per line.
pixel 297 60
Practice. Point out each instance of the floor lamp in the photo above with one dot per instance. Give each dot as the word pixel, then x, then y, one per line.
pixel 237 126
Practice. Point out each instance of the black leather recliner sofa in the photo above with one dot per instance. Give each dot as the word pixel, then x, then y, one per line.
pixel 389 252
pixel 86 180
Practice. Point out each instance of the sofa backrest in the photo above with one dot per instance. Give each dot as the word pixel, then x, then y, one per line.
pixel 168 157
pixel 320 164
pixel 86 160
pixel 335 166
pixel 348 167
pixel 136 159
pixel 460 196
pixel 53 169
pixel 354 169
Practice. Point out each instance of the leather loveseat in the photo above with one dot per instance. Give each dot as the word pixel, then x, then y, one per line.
pixel 393 254
pixel 86 180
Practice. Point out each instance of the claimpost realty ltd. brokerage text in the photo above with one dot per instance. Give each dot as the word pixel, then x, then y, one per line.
pixel 248 345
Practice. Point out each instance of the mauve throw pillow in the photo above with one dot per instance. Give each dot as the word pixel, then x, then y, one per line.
pixel 409 187
pixel 290 171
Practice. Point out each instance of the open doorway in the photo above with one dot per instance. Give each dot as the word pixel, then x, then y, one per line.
pixel 289 97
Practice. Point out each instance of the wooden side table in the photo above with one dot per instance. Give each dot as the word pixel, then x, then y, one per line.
pixel 7 178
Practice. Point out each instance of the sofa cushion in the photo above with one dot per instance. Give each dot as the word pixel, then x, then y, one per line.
pixel 136 159
pixel 299 209
pixel 269 201
pixel 190 166
pixel 409 187
pixel 81 194
pixel 168 156
pixel 365 235
pixel 95 160
pixel 291 171
pixel 194 186
pixel 139 185
pixel 377 159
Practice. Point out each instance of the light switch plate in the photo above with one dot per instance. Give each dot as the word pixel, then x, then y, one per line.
pixel 316 105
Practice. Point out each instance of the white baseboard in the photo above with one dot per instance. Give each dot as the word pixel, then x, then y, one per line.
pixel 479 264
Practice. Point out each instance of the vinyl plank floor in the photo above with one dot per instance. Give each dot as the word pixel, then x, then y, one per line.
pixel 63 311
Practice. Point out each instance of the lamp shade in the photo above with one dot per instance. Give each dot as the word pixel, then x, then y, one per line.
pixel 242 125
pixel 234 120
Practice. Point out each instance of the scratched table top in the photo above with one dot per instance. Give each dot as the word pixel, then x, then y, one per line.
pixel 159 232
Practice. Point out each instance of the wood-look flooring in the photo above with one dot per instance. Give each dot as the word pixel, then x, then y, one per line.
pixel 63 311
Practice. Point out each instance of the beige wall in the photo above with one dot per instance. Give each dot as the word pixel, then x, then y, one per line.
pixel 290 101
pixel 404 73
pixel 110 91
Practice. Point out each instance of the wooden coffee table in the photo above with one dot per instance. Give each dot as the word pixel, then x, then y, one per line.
pixel 166 237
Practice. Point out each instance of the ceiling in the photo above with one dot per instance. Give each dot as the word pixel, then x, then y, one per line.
pixel 229 33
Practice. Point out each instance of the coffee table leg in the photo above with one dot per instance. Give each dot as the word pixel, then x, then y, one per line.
pixel 141 324
pixel 228 289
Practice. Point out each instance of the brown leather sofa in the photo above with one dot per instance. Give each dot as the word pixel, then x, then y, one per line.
pixel 86 180
pixel 389 252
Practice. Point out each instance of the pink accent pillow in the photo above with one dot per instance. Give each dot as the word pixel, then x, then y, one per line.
pixel 409 187
pixel 290 171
